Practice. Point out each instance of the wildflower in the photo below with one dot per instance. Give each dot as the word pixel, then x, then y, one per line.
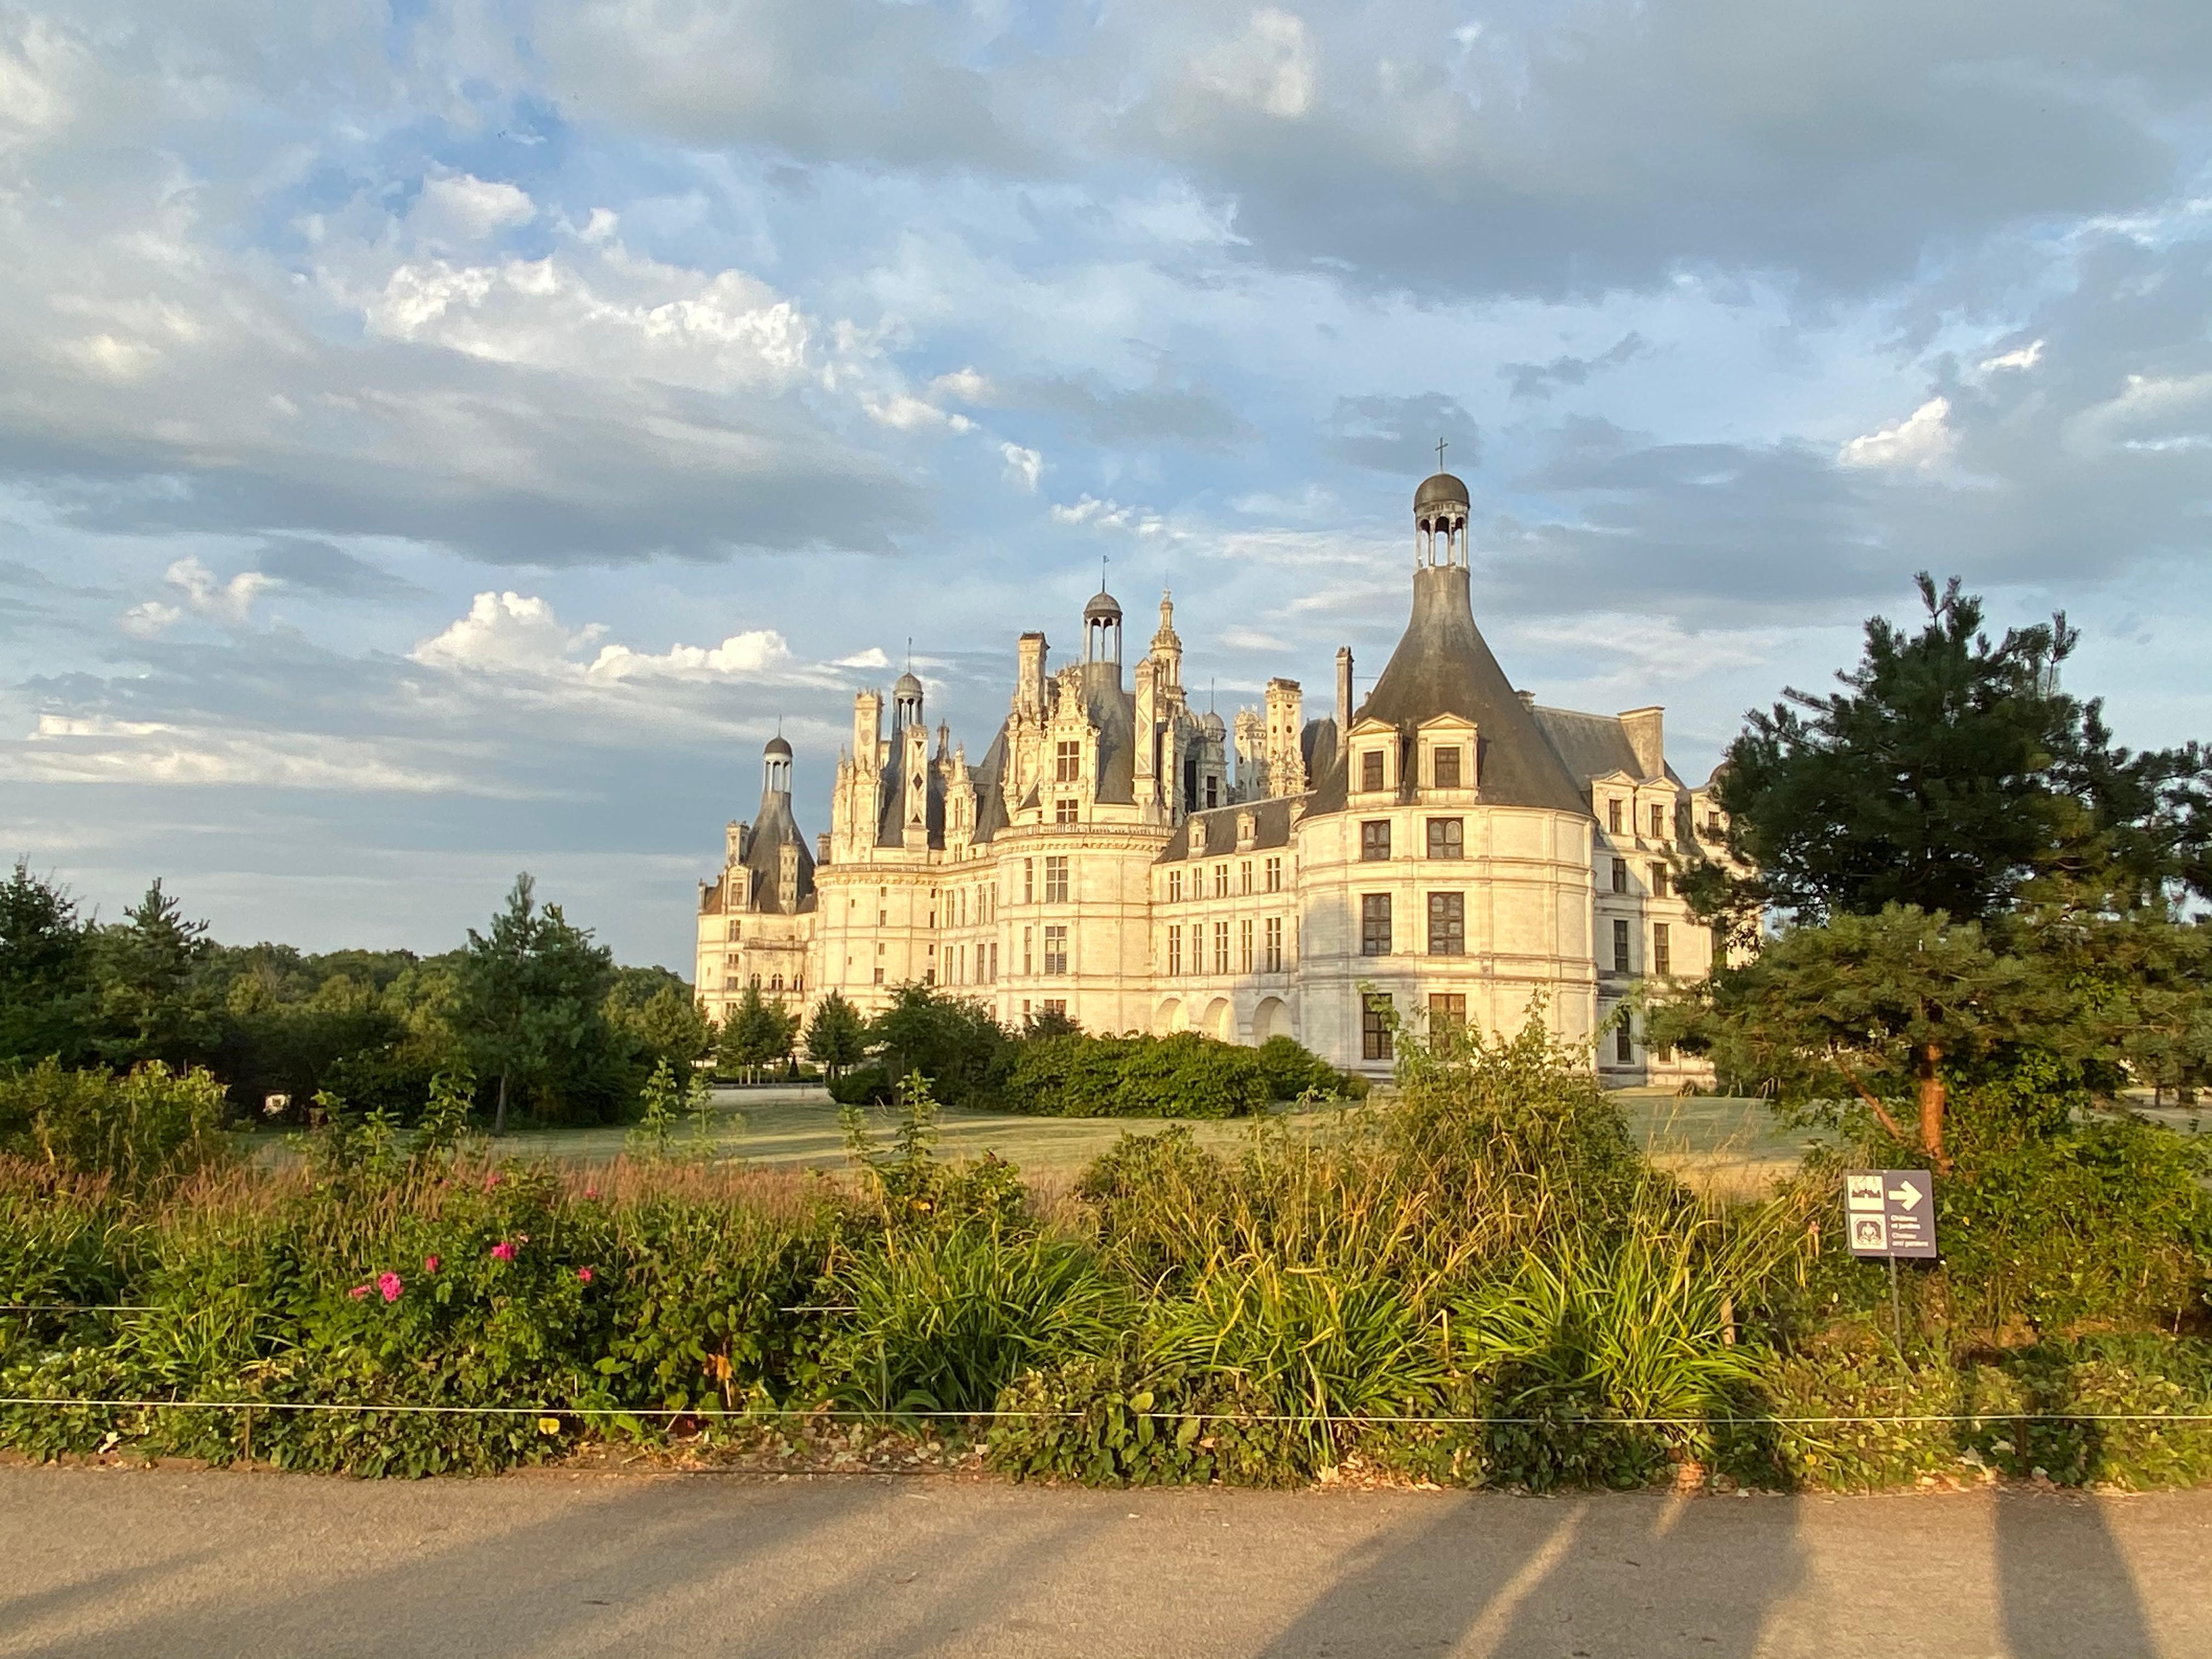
pixel 491 1180
pixel 389 1286
pixel 591 1193
pixel 583 1275
pixel 430 1264
pixel 502 1251
pixel 358 1292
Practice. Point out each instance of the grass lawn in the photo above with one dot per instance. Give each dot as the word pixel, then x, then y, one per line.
pixel 1723 1144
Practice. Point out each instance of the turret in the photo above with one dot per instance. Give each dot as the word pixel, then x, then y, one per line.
pixel 1284 766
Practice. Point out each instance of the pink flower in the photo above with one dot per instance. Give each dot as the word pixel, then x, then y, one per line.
pixel 358 1292
pixel 583 1275
pixel 491 1180
pixel 591 1192
pixel 502 1251
pixel 389 1284
pixel 430 1264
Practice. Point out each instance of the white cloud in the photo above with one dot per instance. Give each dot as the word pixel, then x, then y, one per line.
pixel 464 208
pixel 67 749
pixel 2153 413
pixel 508 632
pixel 150 618
pixel 2027 356
pixel 753 654
pixel 1109 515
pixel 623 319
pixel 1269 67
pixel 1024 466
pixel 229 603
pixel 965 384
pixel 1251 639
pixel 907 413
pixel 874 657
pixel 1920 440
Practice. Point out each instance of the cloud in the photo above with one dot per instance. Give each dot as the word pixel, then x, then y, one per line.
pixel 1090 510
pixel 2027 356
pixel 1024 466
pixel 1267 66
pixel 505 632
pixel 229 603
pixel 317 566
pixel 1921 439
pixel 1541 380
pixel 1400 435
pixel 99 751
pixel 1165 411
pixel 756 653
pixel 463 208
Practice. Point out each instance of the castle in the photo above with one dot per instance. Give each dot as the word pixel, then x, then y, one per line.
pixel 1448 850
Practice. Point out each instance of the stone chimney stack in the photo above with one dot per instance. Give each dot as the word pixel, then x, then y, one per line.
pixel 1029 682
pixel 1647 737
pixel 822 848
pixel 1285 770
pixel 1343 695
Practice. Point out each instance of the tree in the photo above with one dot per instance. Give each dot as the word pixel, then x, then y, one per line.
pixel 530 998
pixel 670 1022
pixel 153 1003
pixel 47 999
pixel 1049 1022
pixel 836 1036
pixel 1877 1007
pixel 1952 775
pixel 753 1034
pixel 954 1041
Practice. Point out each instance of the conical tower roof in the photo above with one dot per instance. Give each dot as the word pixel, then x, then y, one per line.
pixel 1443 665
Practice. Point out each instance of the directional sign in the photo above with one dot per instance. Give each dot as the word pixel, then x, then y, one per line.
pixel 1890 1213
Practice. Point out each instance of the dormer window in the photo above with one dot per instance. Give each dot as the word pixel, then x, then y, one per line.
pixel 1197 836
pixel 1370 770
pixel 1613 815
pixel 1248 829
pixel 1445 768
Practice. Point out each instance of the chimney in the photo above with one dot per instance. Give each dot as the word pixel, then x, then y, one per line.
pixel 822 848
pixel 1645 728
pixel 1029 682
pixel 1343 695
pixel 1527 699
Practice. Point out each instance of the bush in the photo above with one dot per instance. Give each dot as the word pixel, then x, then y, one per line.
pixel 1293 1070
pixel 1185 1075
pixel 952 1040
pixel 145 1131
pixel 864 1086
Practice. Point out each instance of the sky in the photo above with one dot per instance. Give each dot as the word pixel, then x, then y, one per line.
pixel 444 437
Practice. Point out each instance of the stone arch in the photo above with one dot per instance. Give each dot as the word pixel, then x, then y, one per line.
pixel 1272 1018
pixel 1220 1020
pixel 1170 1017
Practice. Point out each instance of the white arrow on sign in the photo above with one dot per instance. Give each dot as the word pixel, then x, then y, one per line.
pixel 1908 1196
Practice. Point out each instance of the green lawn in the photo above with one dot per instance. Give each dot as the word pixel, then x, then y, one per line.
pixel 1729 1143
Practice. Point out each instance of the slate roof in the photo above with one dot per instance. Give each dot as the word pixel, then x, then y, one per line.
pixel 1594 745
pixel 1443 665
pixel 1274 816
pixel 775 827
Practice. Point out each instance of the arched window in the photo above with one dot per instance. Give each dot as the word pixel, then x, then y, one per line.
pixel 776 983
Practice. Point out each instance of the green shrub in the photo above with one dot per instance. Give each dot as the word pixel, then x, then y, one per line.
pixel 1186 1075
pixel 144 1130
pixel 1292 1070
pixel 952 1040
pixel 864 1086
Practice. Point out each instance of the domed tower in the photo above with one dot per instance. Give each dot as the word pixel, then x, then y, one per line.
pixel 776 767
pixel 1102 630
pixel 1440 513
pixel 906 702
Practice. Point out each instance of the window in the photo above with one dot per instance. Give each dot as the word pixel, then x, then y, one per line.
pixel 1447 1012
pixel 1662 949
pixel 1174 949
pixel 1374 924
pixel 1374 1029
pixel 1447 924
pixel 1055 950
pixel 1063 810
pixel 1220 947
pixel 1067 759
pixel 1613 815
pixel 1055 880
pixel 1375 839
pixel 1370 769
pixel 1620 875
pixel 1056 1005
pixel 994 960
pixel 1175 887
pixel 1447 838
pixel 1275 875
pixel 1213 791
pixel 1244 946
pixel 879 976
pixel 1028 881
pixel 1244 875
pixel 1029 939
pixel 1619 947
pixel 1658 824
pixel 775 983
pixel 1659 877
pixel 1624 1045
pixel 1446 768
pixel 1275 937
pixel 1221 881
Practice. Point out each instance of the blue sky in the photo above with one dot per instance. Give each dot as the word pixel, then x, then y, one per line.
pixel 438 439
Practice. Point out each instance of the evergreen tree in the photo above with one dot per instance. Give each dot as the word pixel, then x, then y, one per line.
pixel 47 996
pixel 153 1003
pixel 530 1001
pixel 836 1036
pixel 1952 774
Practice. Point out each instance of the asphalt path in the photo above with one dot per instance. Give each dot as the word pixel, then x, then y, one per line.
pixel 122 1562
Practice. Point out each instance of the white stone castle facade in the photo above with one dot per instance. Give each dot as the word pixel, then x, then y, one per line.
pixel 1449 849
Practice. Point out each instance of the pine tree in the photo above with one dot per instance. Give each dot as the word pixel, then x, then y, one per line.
pixel 836 1036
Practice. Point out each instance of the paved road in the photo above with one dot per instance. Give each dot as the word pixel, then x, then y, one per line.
pixel 119 1563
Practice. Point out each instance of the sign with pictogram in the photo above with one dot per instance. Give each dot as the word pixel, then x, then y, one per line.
pixel 1890 1213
